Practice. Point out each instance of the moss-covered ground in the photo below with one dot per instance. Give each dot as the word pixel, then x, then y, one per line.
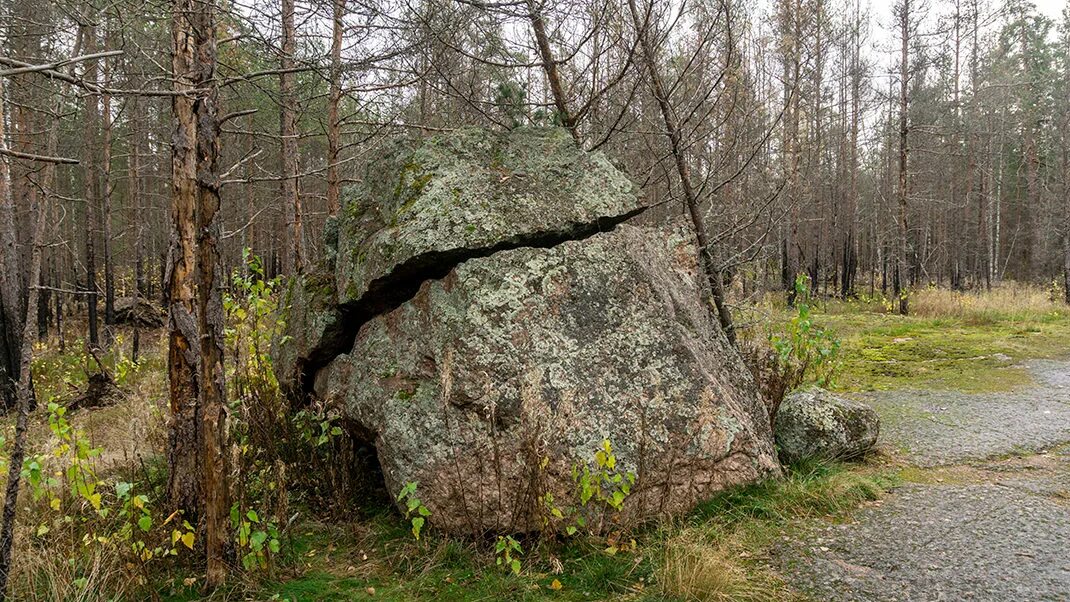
pixel 956 341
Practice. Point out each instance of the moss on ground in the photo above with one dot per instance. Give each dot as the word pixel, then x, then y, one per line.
pixel 962 351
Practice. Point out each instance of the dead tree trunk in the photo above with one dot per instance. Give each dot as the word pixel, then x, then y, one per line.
pixel 553 76
pixel 10 293
pixel 334 97
pixel 901 221
pixel 92 189
pixel 683 170
pixel 108 188
pixel 198 432
pixel 134 204
pixel 25 400
pixel 183 352
pixel 294 256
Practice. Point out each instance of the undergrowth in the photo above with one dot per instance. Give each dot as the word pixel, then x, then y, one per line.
pixel 298 541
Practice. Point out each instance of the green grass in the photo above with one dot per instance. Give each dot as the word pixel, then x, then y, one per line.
pixel 948 349
pixel 714 553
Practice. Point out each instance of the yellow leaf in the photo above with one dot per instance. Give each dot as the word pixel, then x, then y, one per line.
pixel 138 503
pixel 555 585
pixel 54 503
pixel 95 501
pixel 188 540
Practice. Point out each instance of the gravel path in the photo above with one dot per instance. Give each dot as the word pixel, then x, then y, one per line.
pixel 1000 531
pixel 944 427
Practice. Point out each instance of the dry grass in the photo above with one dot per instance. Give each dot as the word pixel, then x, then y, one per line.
pixel 1007 302
pixel 46 574
pixel 57 564
pixel 693 569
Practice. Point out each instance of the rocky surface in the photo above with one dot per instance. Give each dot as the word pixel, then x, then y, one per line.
pixel 814 424
pixel 536 356
pixel 315 331
pixel 494 323
pixel 994 527
pixel 427 204
pixel 932 428
pixel 430 204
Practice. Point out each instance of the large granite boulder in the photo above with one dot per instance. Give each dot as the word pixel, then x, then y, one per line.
pixel 488 360
pixel 814 424
pixel 470 193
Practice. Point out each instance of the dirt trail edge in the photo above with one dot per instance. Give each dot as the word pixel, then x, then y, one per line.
pixel 995 526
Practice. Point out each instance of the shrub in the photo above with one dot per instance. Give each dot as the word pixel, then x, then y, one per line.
pixel 801 353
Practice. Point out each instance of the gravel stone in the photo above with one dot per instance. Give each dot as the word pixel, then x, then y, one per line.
pixel 953 542
pixel 934 428
pixel 1005 538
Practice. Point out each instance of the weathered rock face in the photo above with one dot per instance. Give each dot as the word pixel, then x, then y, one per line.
pixel 815 424
pixel 472 193
pixel 496 342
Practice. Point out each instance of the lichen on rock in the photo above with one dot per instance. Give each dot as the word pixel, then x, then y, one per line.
pixel 494 323
pixel 814 424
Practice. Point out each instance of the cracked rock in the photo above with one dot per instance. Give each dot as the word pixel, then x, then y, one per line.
pixel 490 323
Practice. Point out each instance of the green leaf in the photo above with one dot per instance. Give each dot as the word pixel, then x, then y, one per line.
pixel 258 538
pixel 122 489
pixel 407 490
pixel 145 522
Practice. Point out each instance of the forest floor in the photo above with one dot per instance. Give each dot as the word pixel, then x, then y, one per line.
pixel 967 497
pixel 979 427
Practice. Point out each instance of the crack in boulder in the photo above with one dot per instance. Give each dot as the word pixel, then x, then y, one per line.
pixel 485 304
pixel 392 290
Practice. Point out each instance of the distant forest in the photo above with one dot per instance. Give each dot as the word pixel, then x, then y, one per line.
pixel 874 149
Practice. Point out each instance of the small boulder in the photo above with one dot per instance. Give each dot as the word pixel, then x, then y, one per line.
pixel 138 311
pixel 815 424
